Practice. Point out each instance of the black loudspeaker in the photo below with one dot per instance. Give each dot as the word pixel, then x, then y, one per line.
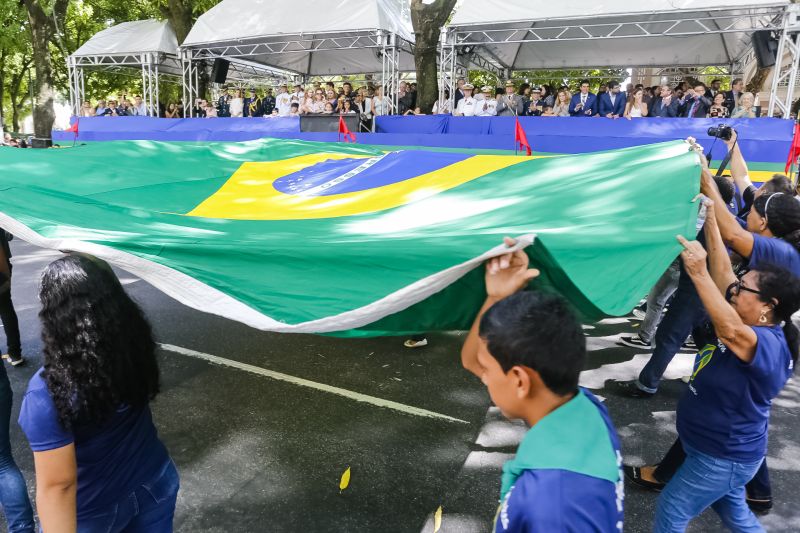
pixel 765 47
pixel 219 72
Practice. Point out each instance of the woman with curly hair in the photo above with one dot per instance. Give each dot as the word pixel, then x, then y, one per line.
pixel 100 465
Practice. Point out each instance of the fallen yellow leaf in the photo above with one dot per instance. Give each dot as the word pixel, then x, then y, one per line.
pixel 437 519
pixel 345 480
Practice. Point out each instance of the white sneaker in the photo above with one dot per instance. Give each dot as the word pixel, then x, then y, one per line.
pixel 411 343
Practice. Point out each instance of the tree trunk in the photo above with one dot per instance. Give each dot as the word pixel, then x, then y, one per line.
pixel 179 14
pixel 13 92
pixel 43 29
pixel 427 20
pixel 2 88
pixel 756 83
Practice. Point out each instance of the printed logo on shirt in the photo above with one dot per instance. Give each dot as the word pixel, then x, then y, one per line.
pixel 502 511
pixel 620 489
pixel 702 359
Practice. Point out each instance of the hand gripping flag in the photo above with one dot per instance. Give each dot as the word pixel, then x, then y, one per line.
pixel 348 135
pixel 520 139
pixel 349 239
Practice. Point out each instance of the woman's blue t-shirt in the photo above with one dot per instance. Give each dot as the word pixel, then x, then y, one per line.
pixel 725 411
pixel 776 252
pixel 113 459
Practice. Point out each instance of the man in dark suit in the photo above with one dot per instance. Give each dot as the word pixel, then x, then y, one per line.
pixel 712 91
pixel 666 105
pixel 732 96
pixel 612 102
pixel 694 103
pixel 459 90
pixel 584 103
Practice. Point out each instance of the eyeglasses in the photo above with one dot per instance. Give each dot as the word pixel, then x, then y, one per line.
pixel 737 286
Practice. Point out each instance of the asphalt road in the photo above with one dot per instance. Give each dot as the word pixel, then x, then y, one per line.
pixel 262 426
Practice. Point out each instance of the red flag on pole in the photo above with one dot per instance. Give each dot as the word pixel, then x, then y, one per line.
pixel 520 139
pixel 348 135
pixel 73 128
pixel 794 151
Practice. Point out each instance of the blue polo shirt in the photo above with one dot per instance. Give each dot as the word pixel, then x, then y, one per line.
pixel 725 410
pixel 566 474
pixel 776 251
pixel 113 459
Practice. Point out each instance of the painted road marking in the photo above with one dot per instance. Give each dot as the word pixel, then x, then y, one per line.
pixel 357 396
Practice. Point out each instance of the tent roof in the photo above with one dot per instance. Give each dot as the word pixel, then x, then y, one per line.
pixel 619 33
pixel 309 37
pixel 137 37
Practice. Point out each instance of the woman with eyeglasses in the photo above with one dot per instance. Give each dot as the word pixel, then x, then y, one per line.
pixel 723 416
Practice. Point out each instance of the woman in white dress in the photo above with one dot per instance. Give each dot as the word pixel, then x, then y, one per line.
pixel 237 104
pixel 442 106
pixel 635 108
pixel 380 104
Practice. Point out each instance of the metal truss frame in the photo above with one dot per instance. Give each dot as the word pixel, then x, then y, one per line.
pixel 147 62
pixel 786 74
pixel 387 45
pixel 783 20
pixel 677 26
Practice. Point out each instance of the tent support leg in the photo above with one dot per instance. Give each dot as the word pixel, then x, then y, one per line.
pixel 787 44
pixel 447 69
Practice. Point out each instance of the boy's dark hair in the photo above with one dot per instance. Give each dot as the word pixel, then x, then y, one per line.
pixel 725 187
pixel 779 183
pixel 537 330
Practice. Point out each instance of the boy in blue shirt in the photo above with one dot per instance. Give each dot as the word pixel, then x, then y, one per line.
pixel 528 348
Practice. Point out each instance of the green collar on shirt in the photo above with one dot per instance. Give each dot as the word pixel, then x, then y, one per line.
pixel 574 437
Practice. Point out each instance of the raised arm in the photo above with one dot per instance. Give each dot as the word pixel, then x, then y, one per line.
pixel 732 233
pixel 728 325
pixel 505 275
pixel 738 165
pixel 719 261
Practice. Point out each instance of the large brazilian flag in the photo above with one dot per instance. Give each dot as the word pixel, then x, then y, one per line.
pixel 294 236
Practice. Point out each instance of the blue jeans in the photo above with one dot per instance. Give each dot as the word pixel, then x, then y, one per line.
pixel 13 492
pixel 148 509
pixel 704 481
pixel 658 297
pixel 685 313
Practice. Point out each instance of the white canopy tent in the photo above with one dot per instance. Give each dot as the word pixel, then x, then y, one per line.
pixel 308 38
pixel 506 35
pixel 149 45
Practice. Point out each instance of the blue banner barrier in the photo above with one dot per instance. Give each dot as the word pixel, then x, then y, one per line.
pixel 762 139
pixel 178 129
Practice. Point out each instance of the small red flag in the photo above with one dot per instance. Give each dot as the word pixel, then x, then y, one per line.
pixel 73 128
pixel 520 138
pixel 794 151
pixel 348 135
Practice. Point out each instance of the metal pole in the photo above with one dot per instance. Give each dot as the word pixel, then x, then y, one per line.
pixel 157 110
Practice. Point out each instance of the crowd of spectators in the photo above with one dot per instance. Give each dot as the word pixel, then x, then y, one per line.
pixel 685 99
pixel 13 142
pixel 688 100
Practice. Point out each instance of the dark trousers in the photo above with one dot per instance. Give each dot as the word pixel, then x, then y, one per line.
pixel 10 324
pixel 686 312
pixel 758 488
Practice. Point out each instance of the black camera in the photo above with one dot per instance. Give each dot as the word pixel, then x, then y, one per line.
pixel 722 131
